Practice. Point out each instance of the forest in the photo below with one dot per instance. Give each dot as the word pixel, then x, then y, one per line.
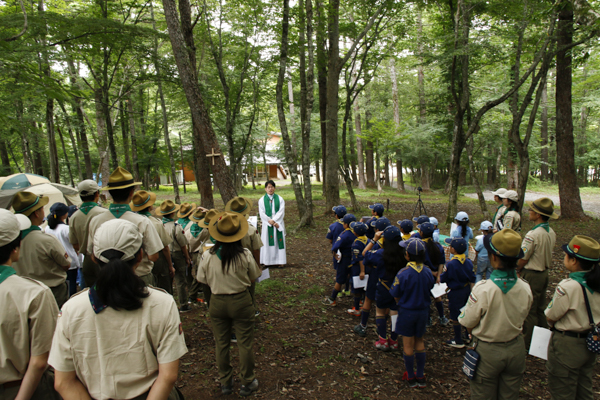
pixel 438 94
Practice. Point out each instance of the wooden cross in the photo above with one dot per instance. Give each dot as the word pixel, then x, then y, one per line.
pixel 213 155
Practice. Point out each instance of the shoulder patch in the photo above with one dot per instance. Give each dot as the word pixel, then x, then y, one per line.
pixel 560 291
pixel 338 239
pixel 356 252
pixel 525 249
pixel 472 299
pixel 528 239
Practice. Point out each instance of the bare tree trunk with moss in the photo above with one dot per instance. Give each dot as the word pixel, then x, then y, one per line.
pixel 359 147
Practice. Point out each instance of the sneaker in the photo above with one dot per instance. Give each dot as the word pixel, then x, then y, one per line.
pixel 233 338
pixel 184 308
pixel 421 382
pixel 340 294
pixel 393 344
pixel 360 330
pixel 246 390
pixel 412 382
pixel 227 389
pixel 455 344
pixel 428 323
pixel 256 313
pixel 361 303
pixel 328 302
pixel 346 292
pixel 444 321
pixel 382 344
pixel 354 311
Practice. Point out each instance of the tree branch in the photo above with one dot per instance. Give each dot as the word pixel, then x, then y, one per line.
pixel 10 39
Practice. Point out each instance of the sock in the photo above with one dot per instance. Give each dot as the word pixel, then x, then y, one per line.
pixel 466 332
pixel 457 330
pixel 440 307
pixel 409 363
pixel 420 356
pixel 334 294
pixel 364 318
pixel 394 336
pixel 381 327
pixel 357 302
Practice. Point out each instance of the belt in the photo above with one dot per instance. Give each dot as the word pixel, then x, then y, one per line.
pixel 508 341
pixel 578 335
pixel 8 385
pixel 229 294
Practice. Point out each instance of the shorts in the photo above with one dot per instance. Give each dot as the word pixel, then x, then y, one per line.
pixel 412 323
pixel 383 298
pixel 371 291
pixel 342 271
pixel 457 298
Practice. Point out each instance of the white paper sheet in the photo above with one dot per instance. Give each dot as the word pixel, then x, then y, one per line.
pixel 539 342
pixel 265 275
pixel 358 283
pixel 339 254
pixel 439 289
pixel 394 319
pixel 253 221
pixel 453 226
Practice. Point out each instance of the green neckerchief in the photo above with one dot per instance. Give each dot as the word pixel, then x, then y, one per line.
pixel 212 240
pixel 505 280
pixel 544 225
pixel 27 231
pixel 269 212
pixel 460 257
pixel 183 222
pixel 195 230
pixel 145 213
pixel 118 210
pixel 87 206
pixel 166 220
pixel 5 272
pixel 580 277
pixel 415 266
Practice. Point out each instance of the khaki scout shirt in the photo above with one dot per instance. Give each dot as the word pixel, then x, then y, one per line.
pixel 165 238
pixel 512 220
pixel 43 258
pixel 567 307
pixel 116 353
pixel 79 225
pixel 495 316
pixel 236 280
pixel 195 243
pixel 252 240
pixel 537 246
pixel 498 215
pixel 175 231
pixel 29 313
pixel 151 241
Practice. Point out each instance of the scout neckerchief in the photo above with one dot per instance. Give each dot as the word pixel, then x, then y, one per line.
pixel 183 222
pixel 544 225
pixel 195 230
pixel 580 277
pixel 363 239
pixel 27 231
pixel 87 206
pixel 415 266
pixel 269 212
pixel 97 304
pixel 166 220
pixel 118 210
pixel 380 241
pixel 5 272
pixel 460 257
pixel 406 236
pixel 497 209
pixel 505 280
pixel 145 213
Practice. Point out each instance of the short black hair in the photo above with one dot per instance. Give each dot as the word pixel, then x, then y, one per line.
pixel 544 217
pixel 121 195
pixel 270 182
pixel 7 249
pixel 87 199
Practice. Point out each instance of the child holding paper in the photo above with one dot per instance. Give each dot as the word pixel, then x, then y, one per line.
pixel 344 245
pixel 358 270
pixel 458 275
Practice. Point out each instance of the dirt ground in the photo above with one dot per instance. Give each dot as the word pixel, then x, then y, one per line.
pixel 305 350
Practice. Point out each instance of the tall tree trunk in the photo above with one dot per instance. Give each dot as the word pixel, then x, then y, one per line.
pixel 359 147
pixel 394 77
pixel 134 156
pixel 52 149
pixel 317 171
pixel 76 104
pixel 322 84
pixel 73 142
pixel 352 139
pixel 125 135
pixel 369 162
pixel 27 159
pixel 582 137
pixel 544 133
pixel 6 169
pixel 62 142
pixel 38 161
pixel 103 168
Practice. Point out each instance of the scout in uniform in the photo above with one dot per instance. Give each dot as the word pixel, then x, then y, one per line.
pixel 344 245
pixel 119 339
pixel 435 260
pixel 570 364
pixel 360 231
pixel 179 251
pixel 421 219
pixel 207 242
pixel 510 217
pixel 29 311
pixel 229 270
pixel 500 207
pixel 484 268
pixel 494 314
pixel 183 215
pixel 533 267
pixel 121 188
pixel 42 257
pixel 89 192
pixel 195 245
pixel 379 225
pixel 337 227
pixel 406 227
pixel 376 212
pixel 143 203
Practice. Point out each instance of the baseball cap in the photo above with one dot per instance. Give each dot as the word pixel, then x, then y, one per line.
pixel 499 192
pixel 406 225
pixel 427 228
pixel 117 234
pixel 462 216
pixel 433 220
pixel 348 218
pixel 486 226
pixel 340 210
pixel 11 226
pixel 510 194
pixel 59 209
pixel 381 223
pixel 87 187
pixel 360 228
pixel 391 232
pixel 377 207
pixel 458 244
pixel 421 219
pixel 413 246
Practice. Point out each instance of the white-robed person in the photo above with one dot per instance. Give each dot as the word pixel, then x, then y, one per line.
pixel 271 208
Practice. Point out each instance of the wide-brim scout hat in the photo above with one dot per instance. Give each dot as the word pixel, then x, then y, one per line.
pixel 167 207
pixel 239 205
pixel 228 227
pixel 26 202
pixel 499 192
pixel 543 206
pixel 210 214
pixel 120 179
pixel 198 216
pixel 186 209
pixel 11 226
pixel 142 200
pixel 510 194
pixel 583 247
pixel 88 187
pixel 117 234
pixel 505 243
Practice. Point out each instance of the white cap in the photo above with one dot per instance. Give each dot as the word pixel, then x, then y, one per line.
pixel 510 194
pixel 433 220
pixel 11 226
pixel 117 234
pixel 88 187
pixel 462 216
pixel 499 192
pixel 486 226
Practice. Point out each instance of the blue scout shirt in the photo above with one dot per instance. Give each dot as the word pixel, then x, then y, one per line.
pixel 344 243
pixel 333 232
pixel 482 253
pixel 434 264
pixel 371 231
pixel 378 244
pixel 374 260
pixel 358 246
pixel 458 274
pixel 412 287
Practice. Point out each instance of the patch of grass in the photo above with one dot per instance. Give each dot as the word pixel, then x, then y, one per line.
pixel 271 286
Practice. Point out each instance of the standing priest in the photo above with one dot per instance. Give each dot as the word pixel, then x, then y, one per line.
pixel 272 210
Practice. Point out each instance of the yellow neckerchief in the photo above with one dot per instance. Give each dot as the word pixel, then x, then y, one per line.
pixel 426 239
pixel 339 221
pixel 406 236
pixel 415 266
pixel 460 257
pixel 363 239
pixel 380 241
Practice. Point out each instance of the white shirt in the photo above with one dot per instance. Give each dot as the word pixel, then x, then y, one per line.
pixel 61 232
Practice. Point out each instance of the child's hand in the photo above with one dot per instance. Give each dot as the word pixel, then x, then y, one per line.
pixel 378 235
pixel 362 276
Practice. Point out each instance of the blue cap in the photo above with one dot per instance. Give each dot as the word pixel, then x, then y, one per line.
pixel 348 218
pixel 378 208
pixel 462 216
pixel 458 244
pixel 381 223
pixel 59 209
pixel 413 246
pixel 72 210
pixel 406 225
pixel 486 226
pixel 340 210
pixel 360 228
pixel 421 219
pixel 427 229
pixel 433 220
pixel 391 232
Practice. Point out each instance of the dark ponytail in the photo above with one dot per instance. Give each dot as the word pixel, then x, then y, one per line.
pixel 230 254
pixel 592 278
pixel 463 228
pixel 53 221
pixel 118 286
pixel 514 206
pixel 432 250
pixel 393 256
